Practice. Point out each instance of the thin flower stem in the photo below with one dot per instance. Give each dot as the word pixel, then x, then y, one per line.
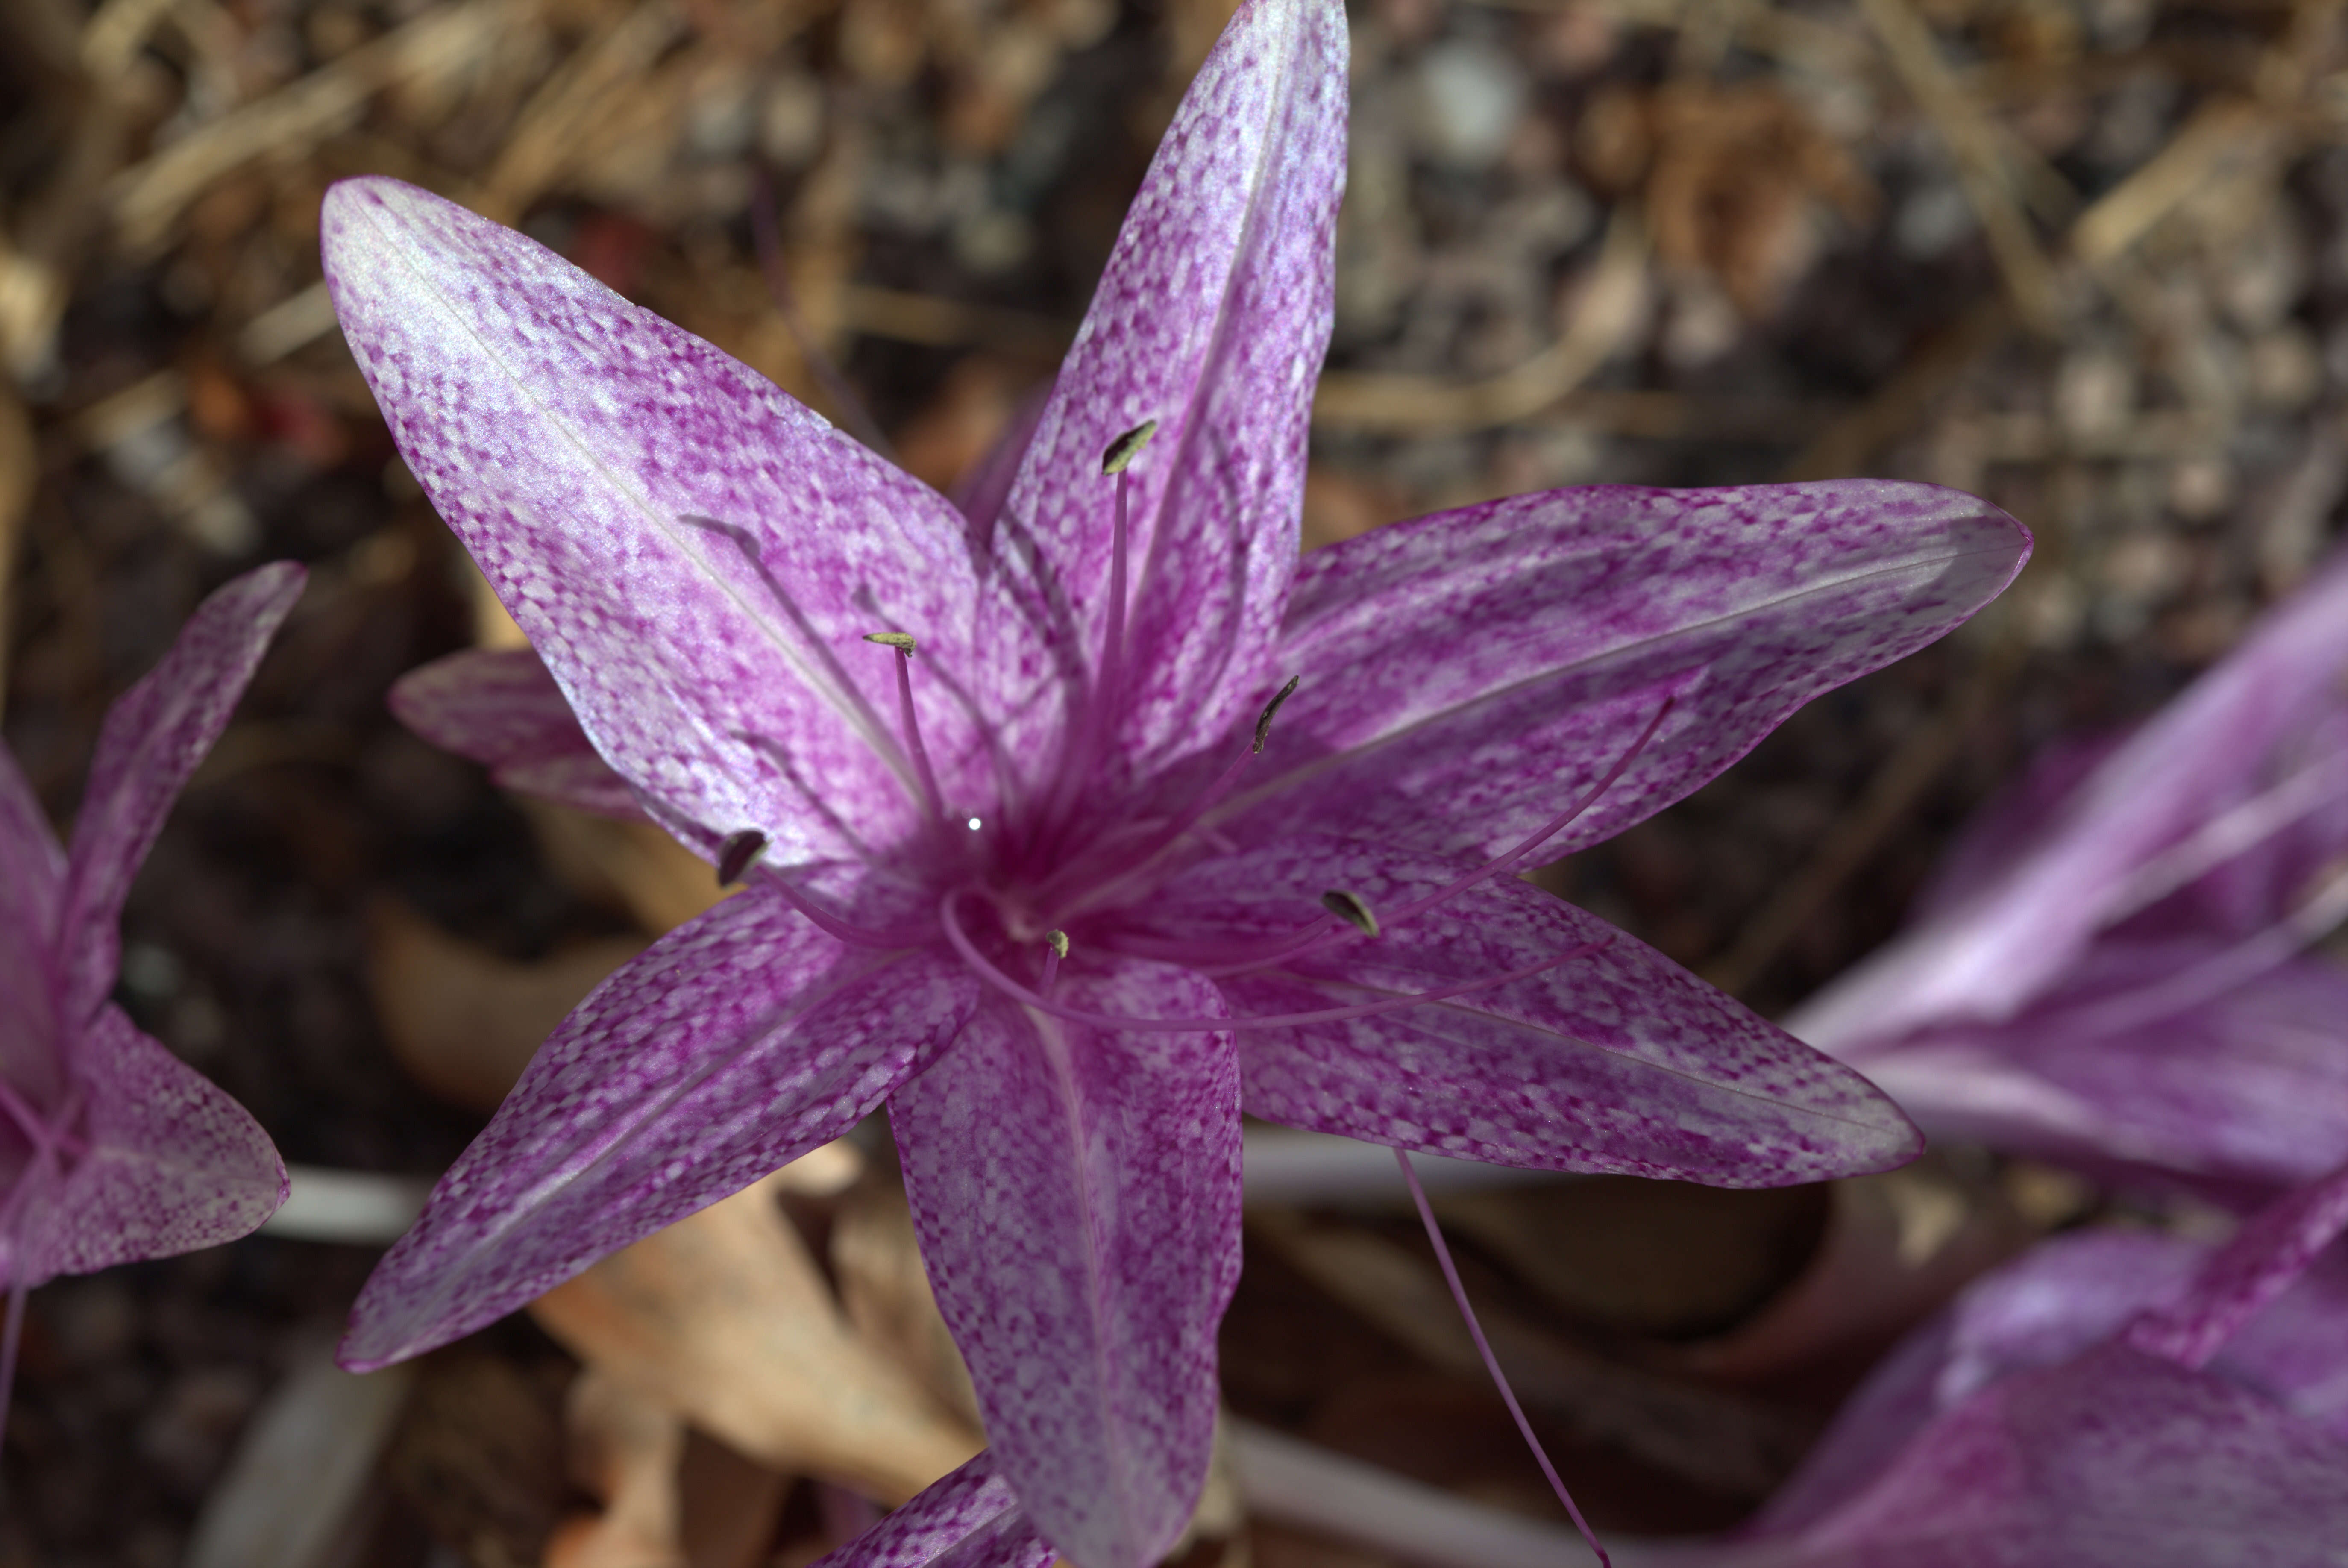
pixel 1492 1362
pixel 987 971
pixel 929 795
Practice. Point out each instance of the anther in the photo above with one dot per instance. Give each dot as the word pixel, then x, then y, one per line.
pixel 903 644
pixel 737 855
pixel 1059 943
pixel 1351 909
pixel 1263 725
pixel 1128 446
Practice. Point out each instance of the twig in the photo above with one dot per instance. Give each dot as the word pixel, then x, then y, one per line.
pixel 2220 137
pixel 1417 404
pixel 148 197
pixel 1973 144
pixel 1843 447
pixel 1862 831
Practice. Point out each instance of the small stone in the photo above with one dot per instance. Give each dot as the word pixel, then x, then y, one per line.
pixel 1470 96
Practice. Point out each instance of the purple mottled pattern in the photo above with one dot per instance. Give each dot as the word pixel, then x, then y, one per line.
pixel 697 556
pixel 172 1163
pixel 2270 1252
pixel 971 1518
pixel 698 561
pixel 1446 704
pixel 1990 954
pixel 728 1048
pixel 112 1150
pixel 501 707
pixel 2246 1091
pixel 2143 900
pixel 2116 1459
pixel 152 739
pixel 1211 318
pixel 2110 1399
pixel 1617 1060
pixel 1078 1197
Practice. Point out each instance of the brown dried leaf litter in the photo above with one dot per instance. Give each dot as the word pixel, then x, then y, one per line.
pixel 2083 260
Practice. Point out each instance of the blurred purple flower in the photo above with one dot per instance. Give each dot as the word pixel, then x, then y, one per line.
pixel 2111 971
pixel 1034 877
pixel 111 1148
pixel 2114 1399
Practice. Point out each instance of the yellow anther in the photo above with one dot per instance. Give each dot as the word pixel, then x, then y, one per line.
pixel 1128 446
pixel 1351 909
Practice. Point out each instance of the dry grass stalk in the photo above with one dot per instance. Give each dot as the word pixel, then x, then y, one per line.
pixel 147 199
pixel 1602 319
pixel 1973 143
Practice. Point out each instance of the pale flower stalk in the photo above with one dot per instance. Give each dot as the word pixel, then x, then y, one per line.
pixel 1033 853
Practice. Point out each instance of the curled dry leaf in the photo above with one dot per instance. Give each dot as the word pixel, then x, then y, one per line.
pixel 1895 1247
pixel 463 1021
pixel 1717 1439
pixel 877 1260
pixel 631 866
pixel 625 1446
pixel 725 1315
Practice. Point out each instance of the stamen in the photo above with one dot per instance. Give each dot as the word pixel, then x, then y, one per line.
pixel 1128 446
pixel 831 924
pixel 904 646
pixel 1108 675
pixel 737 855
pixel 1492 1362
pixel 1351 908
pixel 988 972
pixel 1135 859
pixel 1263 724
pixel 1056 947
pixel 1322 936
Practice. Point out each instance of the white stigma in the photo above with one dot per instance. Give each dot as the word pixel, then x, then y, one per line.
pixel 975 824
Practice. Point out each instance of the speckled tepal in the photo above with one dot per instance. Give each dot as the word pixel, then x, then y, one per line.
pixel 111 1148
pixel 1075 749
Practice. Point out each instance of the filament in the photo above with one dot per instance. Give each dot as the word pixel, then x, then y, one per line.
pixel 920 754
pixel 833 925
pixel 994 975
pixel 1492 1362
pixel 1330 931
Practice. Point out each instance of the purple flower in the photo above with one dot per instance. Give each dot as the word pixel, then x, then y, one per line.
pixel 1031 857
pixel 2109 972
pixel 111 1148
pixel 2112 1400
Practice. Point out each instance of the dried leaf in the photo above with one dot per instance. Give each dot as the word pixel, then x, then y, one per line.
pixel 463 1021
pixel 633 866
pixel 625 1446
pixel 877 1260
pixel 1717 1439
pixel 725 1315
pixel 1896 1246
